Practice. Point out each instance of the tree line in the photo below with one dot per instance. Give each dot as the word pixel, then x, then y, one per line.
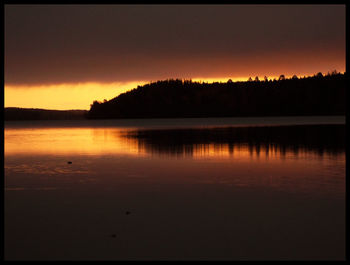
pixel 176 98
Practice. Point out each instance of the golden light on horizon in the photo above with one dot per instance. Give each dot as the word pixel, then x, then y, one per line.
pixel 64 96
pixel 68 96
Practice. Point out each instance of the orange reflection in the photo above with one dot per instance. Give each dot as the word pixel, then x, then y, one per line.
pixel 103 141
pixel 239 164
pixel 40 141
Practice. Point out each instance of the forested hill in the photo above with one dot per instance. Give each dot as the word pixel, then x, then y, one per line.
pixel 316 95
pixel 43 114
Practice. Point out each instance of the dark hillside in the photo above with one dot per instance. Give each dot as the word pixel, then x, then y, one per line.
pixel 317 95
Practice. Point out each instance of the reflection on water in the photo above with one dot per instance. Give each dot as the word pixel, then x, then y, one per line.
pixel 67 141
pixel 213 193
pixel 304 157
pixel 281 140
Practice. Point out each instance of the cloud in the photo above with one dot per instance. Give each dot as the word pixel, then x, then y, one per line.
pixel 56 44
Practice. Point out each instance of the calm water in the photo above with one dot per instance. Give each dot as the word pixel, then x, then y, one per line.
pixel 196 189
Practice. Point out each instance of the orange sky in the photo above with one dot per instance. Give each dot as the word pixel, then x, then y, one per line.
pixel 66 56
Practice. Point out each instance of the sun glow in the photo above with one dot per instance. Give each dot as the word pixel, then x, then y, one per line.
pixel 64 96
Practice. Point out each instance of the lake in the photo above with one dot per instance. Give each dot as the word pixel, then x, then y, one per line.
pixel 175 189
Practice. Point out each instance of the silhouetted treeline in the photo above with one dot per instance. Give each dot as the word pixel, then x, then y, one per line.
pixel 42 114
pixel 316 95
pixel 317 139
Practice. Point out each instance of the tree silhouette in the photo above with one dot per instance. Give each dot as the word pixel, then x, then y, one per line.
pixel 314 95
pixel 319 75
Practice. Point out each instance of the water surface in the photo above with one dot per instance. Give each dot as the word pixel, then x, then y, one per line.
pixel 198 189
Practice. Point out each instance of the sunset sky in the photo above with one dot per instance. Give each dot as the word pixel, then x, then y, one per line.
pixel 66 56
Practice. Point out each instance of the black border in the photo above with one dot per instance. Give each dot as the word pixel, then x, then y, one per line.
pixel 170 2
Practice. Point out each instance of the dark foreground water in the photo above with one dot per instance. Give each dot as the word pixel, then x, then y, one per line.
pixel 191 189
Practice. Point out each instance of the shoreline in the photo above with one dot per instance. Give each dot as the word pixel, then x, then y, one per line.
pixel 183 122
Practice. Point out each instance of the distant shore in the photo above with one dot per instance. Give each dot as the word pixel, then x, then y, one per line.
pixel 18 114
pixel 214 122
pixel 27 114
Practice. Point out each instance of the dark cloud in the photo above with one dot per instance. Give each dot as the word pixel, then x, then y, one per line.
pixel 76 43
